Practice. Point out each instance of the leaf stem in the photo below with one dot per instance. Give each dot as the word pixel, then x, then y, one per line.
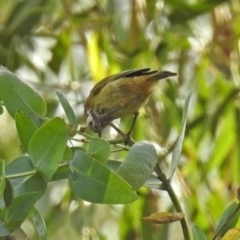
pixel 24 174
pixel 168 187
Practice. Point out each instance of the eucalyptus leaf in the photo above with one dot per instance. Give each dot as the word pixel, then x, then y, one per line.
pixel 47 146
pixel 139 164
pixel 12 216
pixel 25 128
pixel 178 146
pixel 229 218
pixel 99 149
pixel 92 181
pixel 67 108
pixel 4 231
pixel 17 96
pixel 198 233
pixel 39 224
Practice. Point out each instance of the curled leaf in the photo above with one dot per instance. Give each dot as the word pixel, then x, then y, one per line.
pixel 232 234
pixel 164 217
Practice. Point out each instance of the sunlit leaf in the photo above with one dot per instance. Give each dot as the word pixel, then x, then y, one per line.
pixel 139 164
pixel 47 146
pixel 94 182
pixel 99 149
pixel 163 217
pixel 232 234
pixel 17 96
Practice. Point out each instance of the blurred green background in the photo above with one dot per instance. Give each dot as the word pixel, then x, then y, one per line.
pixel 70 45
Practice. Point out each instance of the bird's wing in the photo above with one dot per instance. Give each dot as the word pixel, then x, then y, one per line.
pixel 126 74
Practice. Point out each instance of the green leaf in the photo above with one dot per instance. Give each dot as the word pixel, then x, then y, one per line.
pixel 94 182
pixel 39 224
pixel 67 108
pixel 8 193
pixel 47 146
pixel 139 164
pixel 68 153
pixel 151 182
pixel 28 184
pixel 25 127
pixel 198 234
pixel 19 165
pixel 1 110
pixel 2 182
pixel 4 231
pixel 17 212
pixel 178 146
pixel 17 96
pixel 24 16
pixel 99 149
pixel 61 173
pixel 229 218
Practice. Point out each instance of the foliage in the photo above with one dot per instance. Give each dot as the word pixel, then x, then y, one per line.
pixel 61 175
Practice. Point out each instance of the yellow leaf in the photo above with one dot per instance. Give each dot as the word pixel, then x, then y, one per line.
pixel 164 217
pixel 95 60
pixel 232 234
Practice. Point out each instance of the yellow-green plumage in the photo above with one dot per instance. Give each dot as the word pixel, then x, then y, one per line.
pixel 123 94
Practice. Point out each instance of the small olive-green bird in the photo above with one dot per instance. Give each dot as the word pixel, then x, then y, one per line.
pixel 120 95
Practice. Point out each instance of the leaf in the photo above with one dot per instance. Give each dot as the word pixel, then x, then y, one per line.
pixel 164 217
pixel 17 96
pixel 1 110
pixel 47 146
pixel 18 234
pixel 198 233
pixel 99 149
pixel 8 193
pixel 61 173
pixel 178 146
pixel 17 212
pixel 4 231
pixel 31 184
pixel 67 108
pixel 2 182
pixel 229 218
pixel 154 182
pixel 94 182
pixel 39 224
pixel 24 16
pixel 139 164
pixel 185 11
pixel 19 165
pixel 25 128
pixel 232 234
pixel 26 184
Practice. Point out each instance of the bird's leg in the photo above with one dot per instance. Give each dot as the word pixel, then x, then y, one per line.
pixel 117 129
pixel 126 136
pixel 133 123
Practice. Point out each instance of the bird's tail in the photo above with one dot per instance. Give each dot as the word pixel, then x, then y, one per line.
pixel 160 75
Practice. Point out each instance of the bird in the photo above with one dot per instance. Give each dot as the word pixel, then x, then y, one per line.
pixel 120 95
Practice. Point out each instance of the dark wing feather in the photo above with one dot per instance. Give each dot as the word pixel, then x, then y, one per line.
pixel 126 74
